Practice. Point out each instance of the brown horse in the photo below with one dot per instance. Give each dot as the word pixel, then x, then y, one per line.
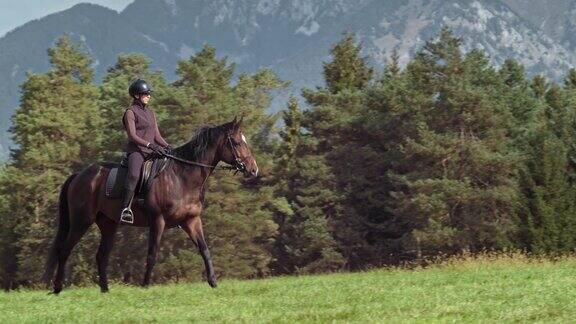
pixel 175 199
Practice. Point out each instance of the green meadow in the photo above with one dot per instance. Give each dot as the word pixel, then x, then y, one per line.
pixel 489 289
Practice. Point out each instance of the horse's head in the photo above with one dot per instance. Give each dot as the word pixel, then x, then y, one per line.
pixel 235 150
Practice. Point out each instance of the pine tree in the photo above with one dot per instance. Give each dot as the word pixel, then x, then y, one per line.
pixel 458 190
pixel 338 105
pixel 333 121
pixel 570 80
pixel 539 85
pixel 394 110
pixel 519 97
pixel 202 94
pixel 347 70
pixel 307 206
pixel 8 235
pixel 548 176
pixel 392 68
pixel 58 131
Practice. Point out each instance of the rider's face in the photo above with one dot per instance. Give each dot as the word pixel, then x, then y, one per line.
pixel 145 97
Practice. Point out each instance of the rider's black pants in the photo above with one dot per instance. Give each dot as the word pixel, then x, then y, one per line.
pixel 135 162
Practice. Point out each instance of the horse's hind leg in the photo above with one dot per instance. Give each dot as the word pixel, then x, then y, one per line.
pixel 108 230
pixel 77 230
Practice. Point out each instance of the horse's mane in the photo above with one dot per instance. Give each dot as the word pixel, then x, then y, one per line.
pixel 197 146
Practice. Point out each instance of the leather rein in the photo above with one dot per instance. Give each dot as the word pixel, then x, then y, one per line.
pixel 238 167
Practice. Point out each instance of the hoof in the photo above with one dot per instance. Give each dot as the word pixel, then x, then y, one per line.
pixel 55 292
pixel 212 282
pixel 104 290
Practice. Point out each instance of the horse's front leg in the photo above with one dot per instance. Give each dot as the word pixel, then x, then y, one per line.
pixel 193 227
pixel 157 225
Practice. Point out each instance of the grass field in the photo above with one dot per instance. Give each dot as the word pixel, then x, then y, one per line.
pixel 486 290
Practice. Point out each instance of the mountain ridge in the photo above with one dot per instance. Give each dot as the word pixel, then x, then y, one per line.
pixel 293 37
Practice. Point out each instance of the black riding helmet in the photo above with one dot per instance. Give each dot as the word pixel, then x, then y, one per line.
pixel 139 87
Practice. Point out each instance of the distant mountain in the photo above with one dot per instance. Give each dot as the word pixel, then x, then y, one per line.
pixel 293 37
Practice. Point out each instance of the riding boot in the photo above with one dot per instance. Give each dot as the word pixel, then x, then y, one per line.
pixel 127 216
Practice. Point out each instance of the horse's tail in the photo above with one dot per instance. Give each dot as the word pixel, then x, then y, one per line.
pixel 62 233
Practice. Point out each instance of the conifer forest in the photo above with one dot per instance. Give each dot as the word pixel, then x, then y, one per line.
pixel 449 154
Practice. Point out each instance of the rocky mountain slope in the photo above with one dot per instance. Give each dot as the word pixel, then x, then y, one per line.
pixel 293 37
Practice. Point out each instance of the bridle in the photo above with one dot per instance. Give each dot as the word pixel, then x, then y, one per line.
pixel 238 166
pixel 238 163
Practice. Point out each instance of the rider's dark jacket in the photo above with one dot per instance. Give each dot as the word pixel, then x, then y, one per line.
pixel 142 128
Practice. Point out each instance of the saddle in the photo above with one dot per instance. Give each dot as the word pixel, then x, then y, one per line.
pixel 117 177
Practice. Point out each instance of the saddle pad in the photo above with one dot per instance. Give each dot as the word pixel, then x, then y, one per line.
pixel 117 178
pixel 115 182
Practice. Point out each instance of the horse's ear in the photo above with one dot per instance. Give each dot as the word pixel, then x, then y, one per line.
pixel 236 123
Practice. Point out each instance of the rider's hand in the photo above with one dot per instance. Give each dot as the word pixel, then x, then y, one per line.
pixel 155 147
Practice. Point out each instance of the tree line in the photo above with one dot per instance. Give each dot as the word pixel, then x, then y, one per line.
pixel 446 155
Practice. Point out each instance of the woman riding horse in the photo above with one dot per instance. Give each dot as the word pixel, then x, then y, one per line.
pixel 143 138
pixel 175 198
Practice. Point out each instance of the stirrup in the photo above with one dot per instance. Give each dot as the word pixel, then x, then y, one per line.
pixel 127 216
